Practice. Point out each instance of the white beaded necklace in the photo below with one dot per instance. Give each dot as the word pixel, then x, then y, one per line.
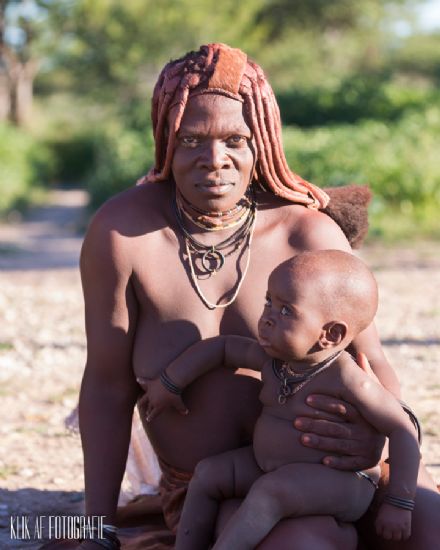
pixel 207 303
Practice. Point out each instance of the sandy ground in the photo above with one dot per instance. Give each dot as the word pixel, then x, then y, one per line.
pixel 42 353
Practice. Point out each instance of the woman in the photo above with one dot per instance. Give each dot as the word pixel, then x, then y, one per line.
pixel 185 255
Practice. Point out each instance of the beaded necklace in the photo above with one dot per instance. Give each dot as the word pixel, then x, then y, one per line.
pixel 215 221
pixel 211 258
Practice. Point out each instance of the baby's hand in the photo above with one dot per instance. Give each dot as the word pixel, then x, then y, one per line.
pixel 157 398
pixel 393 523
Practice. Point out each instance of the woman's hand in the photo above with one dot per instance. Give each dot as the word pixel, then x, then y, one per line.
pixel 337 427
pixel 157 398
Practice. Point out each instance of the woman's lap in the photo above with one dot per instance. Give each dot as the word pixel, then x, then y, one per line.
pixel 327 534
pixel 317 532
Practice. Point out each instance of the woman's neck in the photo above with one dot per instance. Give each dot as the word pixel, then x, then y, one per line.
pixel 214 220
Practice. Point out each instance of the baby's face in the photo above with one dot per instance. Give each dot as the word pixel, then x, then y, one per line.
pixel 292 320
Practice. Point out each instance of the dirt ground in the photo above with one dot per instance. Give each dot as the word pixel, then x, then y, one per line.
pixel 42 353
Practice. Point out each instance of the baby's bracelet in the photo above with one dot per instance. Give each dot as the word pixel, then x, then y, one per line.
pixel 414 420
pixel 169 384
pixel 405 503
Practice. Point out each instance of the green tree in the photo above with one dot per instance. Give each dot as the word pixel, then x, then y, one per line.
pixel 18 64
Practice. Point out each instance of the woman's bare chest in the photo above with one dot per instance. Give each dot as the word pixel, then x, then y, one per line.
pixel 172 301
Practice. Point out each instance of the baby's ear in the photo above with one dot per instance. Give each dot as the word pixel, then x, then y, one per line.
pixel 332 334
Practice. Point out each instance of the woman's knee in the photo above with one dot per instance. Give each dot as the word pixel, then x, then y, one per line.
pixel 317 533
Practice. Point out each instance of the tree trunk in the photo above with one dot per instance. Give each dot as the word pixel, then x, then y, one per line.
pixel 21 92
pixel 5 96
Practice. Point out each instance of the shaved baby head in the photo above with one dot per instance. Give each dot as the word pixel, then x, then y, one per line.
pixel 340 283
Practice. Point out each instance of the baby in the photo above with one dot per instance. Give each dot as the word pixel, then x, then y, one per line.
pixel 316 303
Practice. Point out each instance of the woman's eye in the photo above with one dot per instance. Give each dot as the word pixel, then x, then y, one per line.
pixel 189 141
pixel 267 302
pixel 285 310
pixel 236 140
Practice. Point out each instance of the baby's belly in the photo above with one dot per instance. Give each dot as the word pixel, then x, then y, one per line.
pixel 277 443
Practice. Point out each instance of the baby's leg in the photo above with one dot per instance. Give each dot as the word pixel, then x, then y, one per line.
pixel 295 490
pixel 215 478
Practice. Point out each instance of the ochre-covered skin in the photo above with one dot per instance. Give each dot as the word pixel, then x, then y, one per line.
pixel 219 69
pixel 142 311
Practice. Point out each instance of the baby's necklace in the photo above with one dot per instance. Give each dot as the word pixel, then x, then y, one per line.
pixel 292 382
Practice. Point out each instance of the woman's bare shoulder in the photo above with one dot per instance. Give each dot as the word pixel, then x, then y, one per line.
pixel 133 210
pixel 314 230
pixel 307 228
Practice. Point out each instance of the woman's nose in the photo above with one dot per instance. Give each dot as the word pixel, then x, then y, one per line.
pixel 214 156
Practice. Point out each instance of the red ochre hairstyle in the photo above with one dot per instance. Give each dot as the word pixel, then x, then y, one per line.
pixel 219 69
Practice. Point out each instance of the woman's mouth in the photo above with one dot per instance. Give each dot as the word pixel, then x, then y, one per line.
pixel 215 187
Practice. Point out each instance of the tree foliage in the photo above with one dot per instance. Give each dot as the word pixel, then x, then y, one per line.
pixel 108 46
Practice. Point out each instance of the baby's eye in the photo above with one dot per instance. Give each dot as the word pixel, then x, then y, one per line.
pixel 285 310
pixel 267 301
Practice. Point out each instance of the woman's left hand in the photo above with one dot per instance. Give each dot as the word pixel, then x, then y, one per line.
pixel 337 427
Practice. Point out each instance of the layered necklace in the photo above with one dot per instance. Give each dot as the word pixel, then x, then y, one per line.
pixel 291 381
pixel 209 259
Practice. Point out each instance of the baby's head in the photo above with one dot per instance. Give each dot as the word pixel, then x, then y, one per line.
pixel 316 303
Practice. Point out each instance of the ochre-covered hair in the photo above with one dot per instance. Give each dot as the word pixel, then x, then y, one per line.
pixel 219 69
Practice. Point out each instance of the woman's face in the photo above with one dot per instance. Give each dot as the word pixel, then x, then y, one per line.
pixel 213 158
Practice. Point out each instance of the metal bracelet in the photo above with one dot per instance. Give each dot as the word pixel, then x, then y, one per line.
pixel 404 503
pixel 414 420
pixel 169 384
pixel 109 540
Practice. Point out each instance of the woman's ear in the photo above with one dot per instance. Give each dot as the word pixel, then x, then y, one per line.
pixel 333 334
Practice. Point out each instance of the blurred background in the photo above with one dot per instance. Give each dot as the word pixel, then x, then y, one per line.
pixel 357 84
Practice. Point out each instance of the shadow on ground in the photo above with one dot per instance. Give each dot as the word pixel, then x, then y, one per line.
pixel 28 516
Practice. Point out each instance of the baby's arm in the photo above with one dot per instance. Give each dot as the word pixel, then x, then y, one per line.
pixel 384 412
pixel 198 359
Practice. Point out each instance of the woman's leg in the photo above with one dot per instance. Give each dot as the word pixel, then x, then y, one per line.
pixel 312 532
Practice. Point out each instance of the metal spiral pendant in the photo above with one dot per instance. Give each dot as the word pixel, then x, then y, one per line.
pixel 212 260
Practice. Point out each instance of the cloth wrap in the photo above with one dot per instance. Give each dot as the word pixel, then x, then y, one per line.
pixel 172 489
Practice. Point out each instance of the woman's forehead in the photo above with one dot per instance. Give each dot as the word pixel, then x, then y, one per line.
pixel 208 110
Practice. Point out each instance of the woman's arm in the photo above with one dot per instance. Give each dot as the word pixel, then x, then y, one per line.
pixel 368 343
pixel 109 390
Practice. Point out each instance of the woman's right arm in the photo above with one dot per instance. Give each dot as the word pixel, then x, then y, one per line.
pixel 109 390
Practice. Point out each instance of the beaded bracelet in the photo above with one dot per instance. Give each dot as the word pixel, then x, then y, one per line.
pixel 404 503
pixel 169 384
